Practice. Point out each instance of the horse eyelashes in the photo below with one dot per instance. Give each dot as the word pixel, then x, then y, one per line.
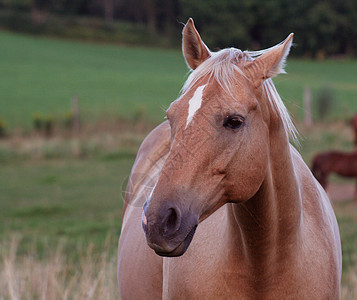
pixel 233 122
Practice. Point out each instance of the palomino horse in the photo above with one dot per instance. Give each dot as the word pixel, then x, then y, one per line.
pixel 234 212
pixel 341 163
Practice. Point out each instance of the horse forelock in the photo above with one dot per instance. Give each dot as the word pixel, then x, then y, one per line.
pixel 223 67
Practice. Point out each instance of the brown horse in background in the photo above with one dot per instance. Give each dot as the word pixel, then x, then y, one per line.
pixel 341 163
pixel 233 211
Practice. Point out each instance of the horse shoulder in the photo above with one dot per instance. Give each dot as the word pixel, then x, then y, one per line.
pixel 139 268
pixel 149 158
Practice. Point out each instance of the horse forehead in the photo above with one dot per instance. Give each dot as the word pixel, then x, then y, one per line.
pixel 195 103
pixel 208 96
pixel 214 96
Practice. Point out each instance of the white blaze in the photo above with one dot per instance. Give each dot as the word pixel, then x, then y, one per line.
pixel 195 103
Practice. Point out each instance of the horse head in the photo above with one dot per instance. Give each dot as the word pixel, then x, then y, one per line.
pixel 220 137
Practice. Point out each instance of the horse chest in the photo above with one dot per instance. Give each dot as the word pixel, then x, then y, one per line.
pixel 196 279
pixel 210 269
pixel 188 280
pixel 214 268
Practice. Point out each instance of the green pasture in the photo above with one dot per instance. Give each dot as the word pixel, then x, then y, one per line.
pixel 40 75
pixel 79 201
pixel 50 193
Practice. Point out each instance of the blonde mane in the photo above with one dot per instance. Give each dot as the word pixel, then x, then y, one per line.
pixel 223 65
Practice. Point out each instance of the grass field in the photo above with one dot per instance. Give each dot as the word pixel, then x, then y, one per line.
pixel 59 228
pixel 41 76
pixel 61 198
pixel 44 199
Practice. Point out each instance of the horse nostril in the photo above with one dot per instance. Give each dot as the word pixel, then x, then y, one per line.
pixel 172 221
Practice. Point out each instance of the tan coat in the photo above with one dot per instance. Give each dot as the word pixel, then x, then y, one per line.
pixel 233 211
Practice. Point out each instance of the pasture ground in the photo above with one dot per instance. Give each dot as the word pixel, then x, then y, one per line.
pixel 61 197
pixel 40 76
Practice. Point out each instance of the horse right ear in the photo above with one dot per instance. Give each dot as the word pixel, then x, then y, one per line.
pixel 270 63
pixel 194 50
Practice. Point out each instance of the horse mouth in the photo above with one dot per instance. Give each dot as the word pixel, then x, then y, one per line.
pixel 181 248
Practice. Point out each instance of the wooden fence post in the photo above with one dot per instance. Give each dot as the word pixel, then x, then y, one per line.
pixel 307 107
pixel 76 117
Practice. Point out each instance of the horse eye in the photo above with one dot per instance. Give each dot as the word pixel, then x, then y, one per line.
pixel 233 122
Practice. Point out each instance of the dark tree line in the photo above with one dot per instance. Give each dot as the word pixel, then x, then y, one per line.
pixel 322 27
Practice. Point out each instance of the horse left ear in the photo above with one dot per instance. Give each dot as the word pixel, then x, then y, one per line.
pixel 270 63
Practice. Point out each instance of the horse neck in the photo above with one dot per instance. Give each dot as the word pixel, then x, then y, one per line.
pixel 269 223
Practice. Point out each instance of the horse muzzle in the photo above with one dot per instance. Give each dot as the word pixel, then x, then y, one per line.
pixel 168 230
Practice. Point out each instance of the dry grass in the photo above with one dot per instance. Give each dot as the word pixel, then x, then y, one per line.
pixel 54 276
pixel 347 216
pixel 100 139
pixel 349 283
pixel 92 277
pixel 349 286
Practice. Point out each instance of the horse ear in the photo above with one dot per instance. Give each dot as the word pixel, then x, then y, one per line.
pixel 194 50
pixel 270 63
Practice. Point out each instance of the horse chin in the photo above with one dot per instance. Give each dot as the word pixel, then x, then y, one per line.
pixel 181 248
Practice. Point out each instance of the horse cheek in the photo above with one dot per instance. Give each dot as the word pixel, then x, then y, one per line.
pixel 248 179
